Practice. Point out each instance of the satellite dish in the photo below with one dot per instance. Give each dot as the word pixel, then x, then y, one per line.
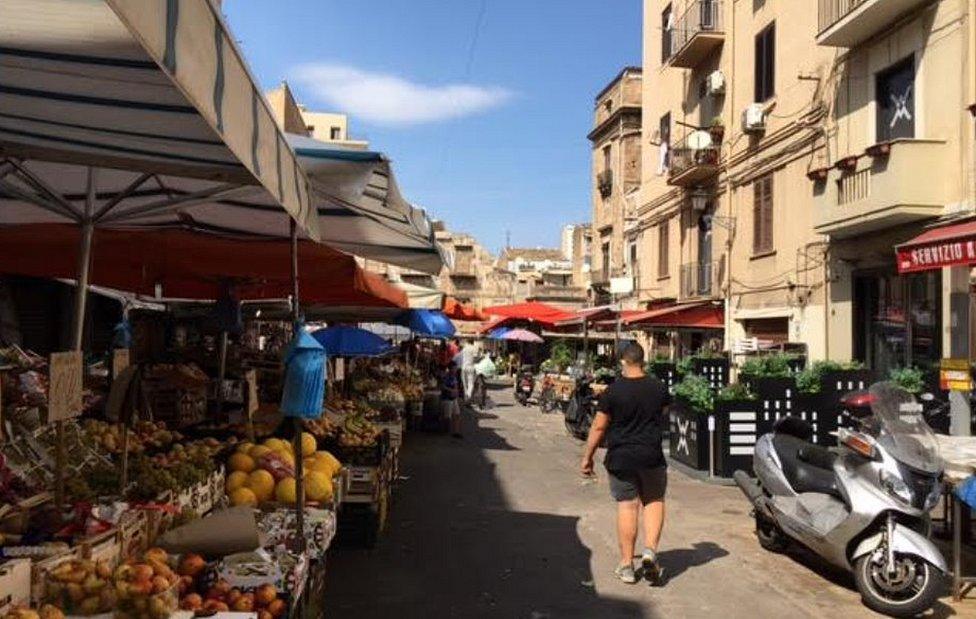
pixel 698 140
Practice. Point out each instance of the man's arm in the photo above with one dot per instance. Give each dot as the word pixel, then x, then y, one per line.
pixel 597 430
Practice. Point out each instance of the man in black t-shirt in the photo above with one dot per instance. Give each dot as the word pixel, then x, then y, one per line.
pixel 631 415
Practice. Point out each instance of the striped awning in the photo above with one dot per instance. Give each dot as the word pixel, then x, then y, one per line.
pixel 361 209
pixel 138 113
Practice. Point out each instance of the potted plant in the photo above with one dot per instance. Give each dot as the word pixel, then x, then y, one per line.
pixel 688 439
pixel 717 129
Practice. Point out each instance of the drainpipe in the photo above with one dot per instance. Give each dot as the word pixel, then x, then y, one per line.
pixel 826 301
pixel 731 229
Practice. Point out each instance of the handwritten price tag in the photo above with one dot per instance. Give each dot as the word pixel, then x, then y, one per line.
pixel 64 396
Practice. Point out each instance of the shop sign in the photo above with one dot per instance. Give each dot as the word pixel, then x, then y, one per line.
pixel 64 395
pixel 931 257
pixel 954 375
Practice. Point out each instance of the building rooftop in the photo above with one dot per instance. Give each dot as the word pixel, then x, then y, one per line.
pixel 533 254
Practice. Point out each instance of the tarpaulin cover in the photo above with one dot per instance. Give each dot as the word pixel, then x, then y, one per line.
pixel 304 384
pixel 347 341
pixel 192 265
pixel 431 323
pixel 945 246
pixel 532 311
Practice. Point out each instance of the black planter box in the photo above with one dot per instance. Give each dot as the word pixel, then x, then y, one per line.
pixel 667 373
pixel 797 364
pixel 715 370
pixel 736 431
pixel 688 440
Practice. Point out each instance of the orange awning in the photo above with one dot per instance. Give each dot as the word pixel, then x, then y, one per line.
pixel 456 310
pixel 193 265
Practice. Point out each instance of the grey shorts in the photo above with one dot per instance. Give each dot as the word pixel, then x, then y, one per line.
pixel 647 484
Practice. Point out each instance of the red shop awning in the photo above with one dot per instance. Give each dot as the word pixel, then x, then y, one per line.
pixel 682 316
pixel 945 246
pixel 532 311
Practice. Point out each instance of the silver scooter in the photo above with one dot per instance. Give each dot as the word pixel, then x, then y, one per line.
pixel 863 507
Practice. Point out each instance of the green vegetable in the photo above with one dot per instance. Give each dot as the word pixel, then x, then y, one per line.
pixel 697 391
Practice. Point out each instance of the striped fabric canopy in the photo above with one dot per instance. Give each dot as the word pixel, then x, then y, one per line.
pixel 360 207
pixel 138 113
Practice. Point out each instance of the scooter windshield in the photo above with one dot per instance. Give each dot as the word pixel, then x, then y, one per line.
pixel 901 430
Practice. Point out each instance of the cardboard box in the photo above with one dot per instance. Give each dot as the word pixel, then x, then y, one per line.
pixel 15 584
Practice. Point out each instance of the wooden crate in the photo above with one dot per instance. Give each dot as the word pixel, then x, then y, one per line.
pixel 105 546
pixel 132 533
pixel 40 570
pixel 15 584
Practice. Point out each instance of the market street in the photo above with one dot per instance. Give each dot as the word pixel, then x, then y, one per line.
pixel 501 525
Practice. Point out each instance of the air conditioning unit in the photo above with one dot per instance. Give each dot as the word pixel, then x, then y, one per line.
pixel 715 83
pixel 754 118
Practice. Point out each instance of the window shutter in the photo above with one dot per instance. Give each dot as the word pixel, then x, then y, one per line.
pixel 757 216
pixel 768 214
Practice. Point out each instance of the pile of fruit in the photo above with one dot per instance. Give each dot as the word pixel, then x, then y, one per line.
pixel 195 451
pixel 147 588
pixel 81 587
pixel 413 390
pixel 143 436
pixel 323 428
pixel 266 472
pixel 151 478
pixel 47 611
pixel 358 432
pixel 387 395
pixel 223 598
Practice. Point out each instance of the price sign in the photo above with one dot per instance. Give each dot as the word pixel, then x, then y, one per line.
pixel 64 395
pixel 251 380
pixel 954 375
pixel 120 361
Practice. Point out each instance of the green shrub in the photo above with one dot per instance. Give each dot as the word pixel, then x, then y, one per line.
pixel 561 355
pixel 696 391
pixel 808 381
pixel 685 366
pixel 735 391
pixel 910 379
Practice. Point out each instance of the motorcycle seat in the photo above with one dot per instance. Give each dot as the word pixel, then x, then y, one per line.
pixel 794 426
pixel 807 467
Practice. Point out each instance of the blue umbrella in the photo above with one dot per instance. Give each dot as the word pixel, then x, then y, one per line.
pixel 432 323
pixel 499 333
pixel 352 342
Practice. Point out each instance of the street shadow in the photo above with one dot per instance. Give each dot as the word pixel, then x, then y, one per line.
pixel 677 561
pixel 455 547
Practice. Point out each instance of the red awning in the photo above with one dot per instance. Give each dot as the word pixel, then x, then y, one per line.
pixel 945 246
pixel 703 315
pixel 456 310
pixel 532 311
pixel 193 265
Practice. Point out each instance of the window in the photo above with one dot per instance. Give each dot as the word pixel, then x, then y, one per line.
pixel 762 215
pixel 608 106
pixel 667 24
pixel 662 249
pixel 633 256
pixel 605 256
pixel 335 133
pixel 664 131
pixel 895 98
pixel 310 128
pixel 765 77
pixel 606 158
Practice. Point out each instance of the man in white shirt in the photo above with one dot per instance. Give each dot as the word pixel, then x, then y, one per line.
pixel 470 355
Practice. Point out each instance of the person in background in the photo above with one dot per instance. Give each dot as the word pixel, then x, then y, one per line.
pixel 450 392
pixel 470 355
pixel 631 415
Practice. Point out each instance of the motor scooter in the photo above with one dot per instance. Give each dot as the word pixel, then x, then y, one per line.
pixel 524 384
pixel 863 507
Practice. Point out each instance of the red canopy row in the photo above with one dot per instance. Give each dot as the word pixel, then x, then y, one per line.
pixel 683 315
pixel 193 265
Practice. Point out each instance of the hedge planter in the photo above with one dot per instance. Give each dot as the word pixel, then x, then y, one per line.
pixel 688 441
pixel 736 431
pixel 667 373
pixel 715 370
pixel 797 364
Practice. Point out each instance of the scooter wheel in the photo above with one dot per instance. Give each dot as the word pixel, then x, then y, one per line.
pixel 770 537
pixel 912 590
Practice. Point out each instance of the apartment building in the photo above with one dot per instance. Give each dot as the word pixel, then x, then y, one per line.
pixel 577 248
pixel 616 172
pixel 473 277
pixel 791 146
pixel 542 274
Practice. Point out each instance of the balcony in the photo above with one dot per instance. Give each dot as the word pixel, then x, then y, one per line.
pixel 692 166
pixel 696 33
pixel 700 279
pixel 604 182
pixel 904 185
pixel 845 23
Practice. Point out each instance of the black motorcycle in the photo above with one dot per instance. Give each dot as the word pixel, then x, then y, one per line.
pixel 581 409
pixel 524 384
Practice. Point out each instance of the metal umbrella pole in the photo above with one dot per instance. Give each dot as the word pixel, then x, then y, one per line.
pixel 297 439
pixel 78 327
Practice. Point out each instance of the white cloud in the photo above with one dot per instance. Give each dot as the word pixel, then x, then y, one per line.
pixel 392 100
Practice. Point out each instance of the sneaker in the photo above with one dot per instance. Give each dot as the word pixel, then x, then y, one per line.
pixel 651 570
pixel 626 574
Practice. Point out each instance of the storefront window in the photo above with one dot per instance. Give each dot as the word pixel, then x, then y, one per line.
pixel 897 320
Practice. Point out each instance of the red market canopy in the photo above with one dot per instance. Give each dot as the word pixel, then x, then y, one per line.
pixel 456 310
pixel 193 265
pixel 683 316
pixel 945 246
pixel 532 311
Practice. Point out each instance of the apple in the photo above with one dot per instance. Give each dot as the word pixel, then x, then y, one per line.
pixel 159 584
pixel 191 565
pixel 193 601
pixel 233 596
pixel 243 604
pixel 186 583
pixel 277 608
pixel 155 554
pixel 265 594
pixel 142 571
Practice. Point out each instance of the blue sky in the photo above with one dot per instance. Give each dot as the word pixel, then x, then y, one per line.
pixel 489 141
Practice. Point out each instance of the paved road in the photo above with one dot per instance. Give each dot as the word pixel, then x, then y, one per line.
pixel 501 525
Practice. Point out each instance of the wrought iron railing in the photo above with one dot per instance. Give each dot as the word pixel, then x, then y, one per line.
pixel 832 11
pixel 699 279
pixel 604 181
pixel 682 157
pixel 700 16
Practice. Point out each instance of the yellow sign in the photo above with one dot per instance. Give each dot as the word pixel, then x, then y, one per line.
pixel 955 375
pixel 64 395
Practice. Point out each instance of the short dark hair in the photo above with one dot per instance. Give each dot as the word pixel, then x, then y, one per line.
pixel 633 353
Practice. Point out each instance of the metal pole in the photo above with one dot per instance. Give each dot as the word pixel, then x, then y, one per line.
pixel 78 328
pixel 297 439
pixel 221 373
